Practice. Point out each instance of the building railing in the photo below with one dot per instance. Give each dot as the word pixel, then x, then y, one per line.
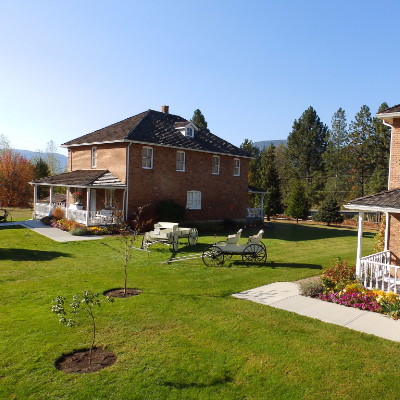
pixel 254 213
pixel 102 217
pixel 376 271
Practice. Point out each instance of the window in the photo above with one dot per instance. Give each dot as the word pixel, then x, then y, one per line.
pixel 189 132
pixel 180 161
pixel 94 157
pixel 193 200
pixel 215 165
pixel 147 158
pixel 109 199
pixel 236 167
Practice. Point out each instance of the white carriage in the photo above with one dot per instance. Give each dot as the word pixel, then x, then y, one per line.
pixel 253 251
pixel 169 234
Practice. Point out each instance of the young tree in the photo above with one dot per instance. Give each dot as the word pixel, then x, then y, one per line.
pixel 199 120
pixel 269 180
pixel 328 212
pixel 360 150
pixel 299 206
pixel 51 158
pixel 15 174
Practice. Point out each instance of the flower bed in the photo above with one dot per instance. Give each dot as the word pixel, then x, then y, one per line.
pixel 67 225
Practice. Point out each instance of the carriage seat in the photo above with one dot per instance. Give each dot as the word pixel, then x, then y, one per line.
pixel 165 225
pixel 255 239
pixel 233 239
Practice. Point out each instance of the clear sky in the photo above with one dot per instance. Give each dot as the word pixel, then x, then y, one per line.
pixel 252 67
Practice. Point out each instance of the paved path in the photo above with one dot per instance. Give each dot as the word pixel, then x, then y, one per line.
pixel 50 231
pixel 285 295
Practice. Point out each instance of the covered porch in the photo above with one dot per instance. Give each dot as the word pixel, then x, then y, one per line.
pixel 256 212
pixel 93 197
pixel 379 270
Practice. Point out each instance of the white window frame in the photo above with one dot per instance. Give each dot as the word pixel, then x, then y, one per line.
pixel 189 132
pixel 180 163
pixel 109 198
pixel 193 200
pixel 147 160
pixel 236 167
pixel 94 157
pixel 215 165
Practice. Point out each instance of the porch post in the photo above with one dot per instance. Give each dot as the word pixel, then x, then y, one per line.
pixel 87 205
pixel 34 200
pixel 262 207
pixel 67 203
pixel 359 242
pixel 51 200
pixel 387 232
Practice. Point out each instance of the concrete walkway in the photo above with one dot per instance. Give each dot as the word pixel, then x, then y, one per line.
pixel 285 295
pixel 50 231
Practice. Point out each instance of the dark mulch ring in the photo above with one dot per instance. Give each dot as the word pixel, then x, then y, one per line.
pixel 78 361
pixel 120 293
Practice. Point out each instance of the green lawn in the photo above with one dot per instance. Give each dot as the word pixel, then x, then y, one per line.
pixel 18 213
pixel 185 337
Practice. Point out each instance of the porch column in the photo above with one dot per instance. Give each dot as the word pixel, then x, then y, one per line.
pixel 87 205
pixel 262 207
pixel 51 201
pixel 34 200
pixel 67 203
pixel 359 242
pixel 387 232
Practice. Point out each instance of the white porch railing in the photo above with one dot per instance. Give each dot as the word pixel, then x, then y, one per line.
pixel 254 213
pixel 103 217
pixel 377 272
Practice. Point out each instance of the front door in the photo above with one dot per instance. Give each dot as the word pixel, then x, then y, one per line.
pixel 92 199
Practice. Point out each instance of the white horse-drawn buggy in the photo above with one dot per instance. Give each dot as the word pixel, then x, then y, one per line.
pixel 252 251
pixel 169 234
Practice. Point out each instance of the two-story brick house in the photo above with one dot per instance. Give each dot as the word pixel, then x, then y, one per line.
pixel 382 269
pixel 147 158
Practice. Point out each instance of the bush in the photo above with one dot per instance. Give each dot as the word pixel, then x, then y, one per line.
pixel 328 212
pixel 58 213
pixel 336 277
pixel 46 220
pixel 78 231
pixel 170 211
pixel 311 288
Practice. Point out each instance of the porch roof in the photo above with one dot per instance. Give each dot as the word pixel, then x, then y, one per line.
pixel 82 178
pixel 387 201
pixel 253 189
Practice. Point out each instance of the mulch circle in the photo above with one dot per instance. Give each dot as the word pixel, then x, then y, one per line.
pixel 78 361
pixel 120 293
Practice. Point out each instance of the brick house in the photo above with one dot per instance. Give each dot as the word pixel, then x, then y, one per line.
pixel 382 269
pixel 147 158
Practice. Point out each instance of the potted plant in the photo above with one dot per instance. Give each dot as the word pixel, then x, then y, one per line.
pixel 78 198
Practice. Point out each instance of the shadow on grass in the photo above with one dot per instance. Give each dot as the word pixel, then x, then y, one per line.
pixel 30 255
pixel 214 382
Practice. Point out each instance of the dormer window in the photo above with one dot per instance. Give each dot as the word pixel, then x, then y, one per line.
pixel 189 132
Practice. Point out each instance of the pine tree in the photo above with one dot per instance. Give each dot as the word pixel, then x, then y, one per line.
pixel 199 120
pixel 328 212
pixel 254 170
pixel 360 151
pixel 40 170
pixel 298 207
pixel 269 180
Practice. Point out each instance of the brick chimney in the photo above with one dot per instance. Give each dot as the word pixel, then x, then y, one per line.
pixel 165 109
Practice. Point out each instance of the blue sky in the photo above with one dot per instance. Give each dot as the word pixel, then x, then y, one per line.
pixel 251 67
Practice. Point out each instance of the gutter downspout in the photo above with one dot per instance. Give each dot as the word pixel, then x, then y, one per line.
pixel 126 202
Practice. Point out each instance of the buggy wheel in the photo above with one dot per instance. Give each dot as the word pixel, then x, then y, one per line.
pixel 193 237
pixel 254 253
pixel 175 242
pixel 227 256
pixel 213 256
pixel 145 241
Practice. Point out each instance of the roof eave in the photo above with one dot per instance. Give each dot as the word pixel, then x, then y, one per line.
pixel 363 207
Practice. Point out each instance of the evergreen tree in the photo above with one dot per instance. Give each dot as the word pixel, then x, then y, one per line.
pixel 199 120
pixel 41 170
pixel 360 151
pixel 254 171
pixel 306 144
pixel 328 212
pixel 299 206
pixel 269 180
pixel 335 158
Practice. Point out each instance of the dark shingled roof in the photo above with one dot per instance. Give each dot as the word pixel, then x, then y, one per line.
pixel 394 109
pixel 388 198
pixel 82 177
pixel 158 128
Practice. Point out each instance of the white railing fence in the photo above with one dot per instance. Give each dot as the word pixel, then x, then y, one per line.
pixel 377 272
pixel 254 213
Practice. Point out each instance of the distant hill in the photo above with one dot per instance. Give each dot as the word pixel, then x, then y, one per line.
pixel 267 143
pixel 30 154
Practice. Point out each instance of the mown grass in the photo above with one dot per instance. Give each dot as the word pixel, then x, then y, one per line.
pixel 185 337
pixel 17 213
